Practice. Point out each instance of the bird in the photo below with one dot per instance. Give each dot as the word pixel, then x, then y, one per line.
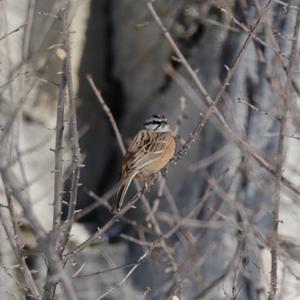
pixel 149 151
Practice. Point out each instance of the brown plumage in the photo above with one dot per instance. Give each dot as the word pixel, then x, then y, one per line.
pixel 149 151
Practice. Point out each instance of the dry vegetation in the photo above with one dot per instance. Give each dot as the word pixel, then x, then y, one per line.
pixel 220 223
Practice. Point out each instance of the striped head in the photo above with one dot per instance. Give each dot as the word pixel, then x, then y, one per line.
pixel 158 123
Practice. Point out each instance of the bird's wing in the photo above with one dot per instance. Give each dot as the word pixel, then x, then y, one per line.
pixel 145 148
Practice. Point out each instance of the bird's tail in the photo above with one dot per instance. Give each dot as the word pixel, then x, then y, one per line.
pixel 122 190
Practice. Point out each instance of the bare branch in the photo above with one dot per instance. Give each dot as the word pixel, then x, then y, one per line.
pixel 74 139
pixel 11 32
pixel 107 111
pixel 280 158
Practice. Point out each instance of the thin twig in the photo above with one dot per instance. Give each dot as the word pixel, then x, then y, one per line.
pixel 108 113
pixel 212 108
pixel 100 232
pixel 140 261
pixel 280 157
pixel 103 200
pixel 231 71
pixel 231 135
pixel 11 32
pixel 14 240
pixel 21 102
pixel 10 181
pixel 221 277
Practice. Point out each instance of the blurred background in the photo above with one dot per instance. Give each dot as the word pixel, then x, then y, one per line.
pixel 213 217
